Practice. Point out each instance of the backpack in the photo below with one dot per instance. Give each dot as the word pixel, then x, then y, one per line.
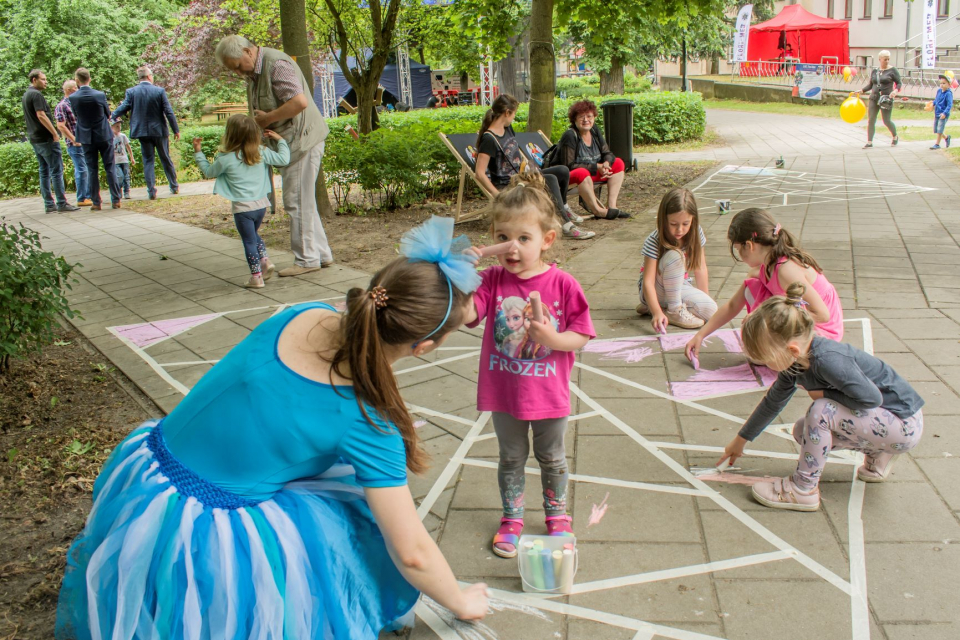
pixel 551 157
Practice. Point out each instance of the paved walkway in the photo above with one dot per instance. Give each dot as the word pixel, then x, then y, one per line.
pixel 674 556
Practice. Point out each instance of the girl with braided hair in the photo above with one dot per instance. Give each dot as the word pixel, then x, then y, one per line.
pixel 859 402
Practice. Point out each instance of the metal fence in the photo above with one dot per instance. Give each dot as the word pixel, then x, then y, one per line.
pixel 918 84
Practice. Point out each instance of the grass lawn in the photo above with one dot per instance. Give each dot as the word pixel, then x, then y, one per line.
pixel 788 108
pixel 710 139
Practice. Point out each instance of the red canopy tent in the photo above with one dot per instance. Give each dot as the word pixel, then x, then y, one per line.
pixel 797 33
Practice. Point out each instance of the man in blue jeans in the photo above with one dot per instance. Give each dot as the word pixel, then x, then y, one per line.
pixel 45 140
pixel 67 124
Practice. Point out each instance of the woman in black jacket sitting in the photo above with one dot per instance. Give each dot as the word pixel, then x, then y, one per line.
pixel 584 151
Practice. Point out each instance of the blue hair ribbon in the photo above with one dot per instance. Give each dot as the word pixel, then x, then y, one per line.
pixel 433 241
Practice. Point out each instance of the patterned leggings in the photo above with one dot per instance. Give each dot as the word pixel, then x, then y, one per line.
pixel 829 426
pixel 550 453
pixel 673 289
pixel 248 223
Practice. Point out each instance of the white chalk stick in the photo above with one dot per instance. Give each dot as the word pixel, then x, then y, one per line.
pixel 498 249
pixel 536 308
pixel 723 466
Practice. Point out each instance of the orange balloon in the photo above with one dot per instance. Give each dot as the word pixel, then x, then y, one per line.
pixel 928 106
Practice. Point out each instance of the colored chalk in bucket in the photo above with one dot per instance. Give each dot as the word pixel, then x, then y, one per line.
pixel 567 567
pixel 723 206
pixel 542 567
pixel 536 567
pixel 549 578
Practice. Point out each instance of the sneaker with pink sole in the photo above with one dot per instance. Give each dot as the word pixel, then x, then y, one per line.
pixel 782 493
pixel 876 468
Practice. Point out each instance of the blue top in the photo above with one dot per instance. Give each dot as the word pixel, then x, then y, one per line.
pixel 241 182
pixel 943 102
pixel 252 424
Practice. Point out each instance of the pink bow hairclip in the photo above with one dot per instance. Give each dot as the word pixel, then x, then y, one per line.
pixel 801 303
pixel 776 230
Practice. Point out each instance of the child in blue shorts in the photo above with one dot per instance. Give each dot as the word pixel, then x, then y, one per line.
pixel 942 105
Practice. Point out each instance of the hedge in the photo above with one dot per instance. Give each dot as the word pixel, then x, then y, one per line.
pixel 401 162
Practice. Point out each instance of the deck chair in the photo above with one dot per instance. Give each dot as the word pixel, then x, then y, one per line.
pixel 534 145
pixel 462 146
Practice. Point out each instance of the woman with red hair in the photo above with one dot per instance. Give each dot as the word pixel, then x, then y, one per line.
pixel 584 151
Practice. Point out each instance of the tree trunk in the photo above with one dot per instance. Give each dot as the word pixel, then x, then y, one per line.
pixel 293 31
pixel 543 75
pixel 715 65
pixel 508 72
pixel 612 81
pixel 464 82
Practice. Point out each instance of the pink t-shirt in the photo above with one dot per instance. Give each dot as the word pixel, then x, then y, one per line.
pixel 832 328
pixel 521 378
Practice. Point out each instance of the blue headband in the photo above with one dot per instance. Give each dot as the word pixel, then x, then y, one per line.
pixel 433 241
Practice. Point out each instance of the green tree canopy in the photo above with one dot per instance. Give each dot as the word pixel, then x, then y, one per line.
pixel 57 36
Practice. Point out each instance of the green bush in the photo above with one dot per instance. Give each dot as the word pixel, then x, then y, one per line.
pixel 405 159
pixel 19 173
pixel 31 292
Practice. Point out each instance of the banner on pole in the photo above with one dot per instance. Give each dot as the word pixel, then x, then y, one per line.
pixel 742 34
pixel 929 34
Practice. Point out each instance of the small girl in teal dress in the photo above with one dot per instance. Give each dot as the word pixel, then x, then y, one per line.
pixel 273 501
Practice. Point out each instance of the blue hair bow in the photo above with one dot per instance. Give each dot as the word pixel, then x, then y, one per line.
pixel 433 241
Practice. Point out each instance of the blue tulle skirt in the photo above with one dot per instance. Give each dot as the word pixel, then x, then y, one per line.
pixel 167 556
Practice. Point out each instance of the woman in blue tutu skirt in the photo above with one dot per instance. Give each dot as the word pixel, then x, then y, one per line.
pixel 272 503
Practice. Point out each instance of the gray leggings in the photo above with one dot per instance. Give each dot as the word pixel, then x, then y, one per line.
pixel 550 453
pixel 872 122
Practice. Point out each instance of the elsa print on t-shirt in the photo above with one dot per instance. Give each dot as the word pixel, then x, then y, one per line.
pixel 510 332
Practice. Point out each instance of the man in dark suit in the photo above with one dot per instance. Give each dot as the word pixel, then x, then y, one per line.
pixel 94 133
pixel 150 111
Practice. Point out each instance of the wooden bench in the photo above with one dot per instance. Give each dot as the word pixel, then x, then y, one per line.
pixel 462 146
pixel 227 109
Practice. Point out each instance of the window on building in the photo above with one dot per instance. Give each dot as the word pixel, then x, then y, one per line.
pixel 867 8
pixel 887 8
pixel 848 9
pixel 943 8
pixel 830 8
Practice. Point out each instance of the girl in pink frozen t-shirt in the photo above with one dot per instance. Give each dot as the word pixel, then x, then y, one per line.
pixel 524 364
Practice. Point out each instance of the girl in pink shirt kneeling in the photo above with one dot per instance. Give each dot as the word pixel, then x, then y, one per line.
pixel 525 361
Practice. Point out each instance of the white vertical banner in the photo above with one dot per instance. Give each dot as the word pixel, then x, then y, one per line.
pixel 929 34
pixel 742 34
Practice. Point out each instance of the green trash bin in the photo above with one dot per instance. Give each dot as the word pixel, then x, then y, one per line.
pixel 618 129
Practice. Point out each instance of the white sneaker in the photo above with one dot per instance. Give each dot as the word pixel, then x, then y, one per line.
pixel 571 216
pixel 571 231
pixel 683 318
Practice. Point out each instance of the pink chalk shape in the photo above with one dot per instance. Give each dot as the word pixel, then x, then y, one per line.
pixel 730 339
pixel 711 382
pixel 767 375
pixel 628 351
pixel 672 341
pixel 147 333
pixel 598 511
pixel 693 390
pixel 419 423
